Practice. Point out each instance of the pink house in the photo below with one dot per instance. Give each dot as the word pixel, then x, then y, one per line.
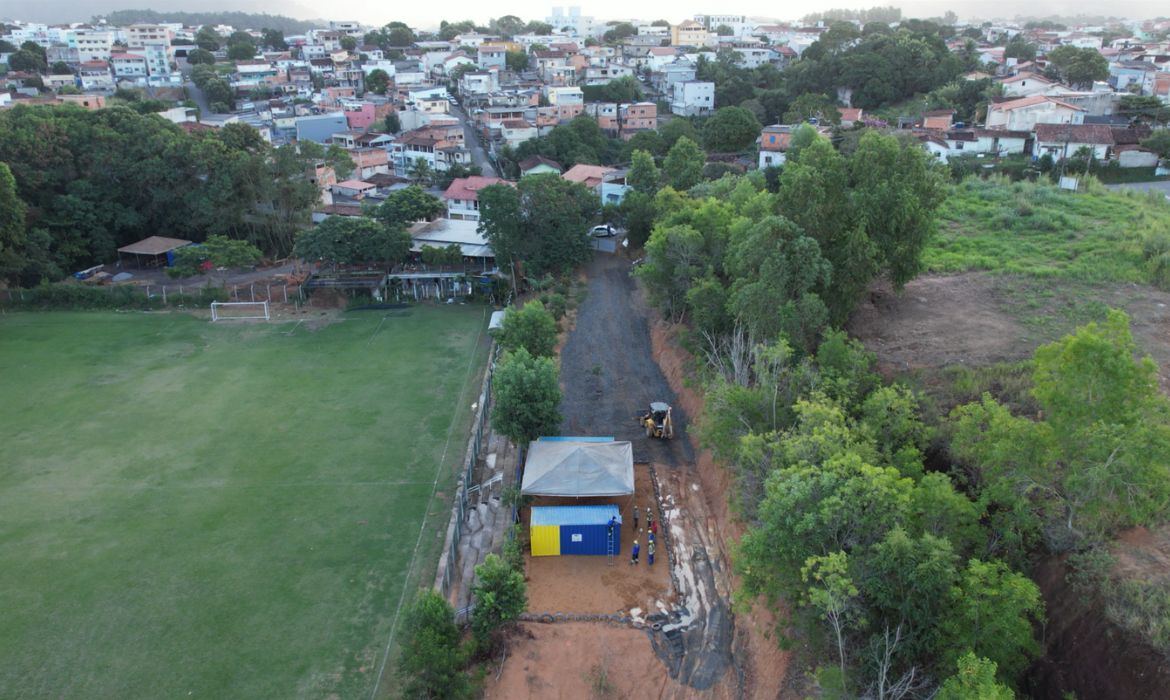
pixel 361 116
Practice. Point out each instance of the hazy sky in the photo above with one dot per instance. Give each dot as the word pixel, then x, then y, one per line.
pixel 423 14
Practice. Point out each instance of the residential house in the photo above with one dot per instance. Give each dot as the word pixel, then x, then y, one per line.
pixel 754 56
pixel 356 189
pixel 462 196
pixel 640 116
pixel 538 165
pixel 693 98
pixel 1133 77
pixel 129 66
pixel 491 56
pixel 1026 84
pixel 1024 113
pixel 658 56
pixel 514 132
pixel 665 78
pixel 850 116
pixel 938 119
pixel 479 82
pixel 1065 140
pixel 439 146
pixel 601 75
pixel 1127 148
pixel 370 161
pixel 95 75
pixel 691 33
pixel 607 183
pixel 565 95
pixel 995 142
pixel 774 141
pixel 91 44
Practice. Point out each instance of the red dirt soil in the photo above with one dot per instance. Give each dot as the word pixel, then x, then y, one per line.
pixel 562 661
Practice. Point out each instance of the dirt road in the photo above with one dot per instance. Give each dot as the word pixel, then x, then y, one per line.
pixel 609 374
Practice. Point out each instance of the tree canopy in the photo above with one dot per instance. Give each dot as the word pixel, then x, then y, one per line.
pixel 527 397
pixel 543 221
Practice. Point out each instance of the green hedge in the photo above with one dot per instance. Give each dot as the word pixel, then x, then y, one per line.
pixel 75 297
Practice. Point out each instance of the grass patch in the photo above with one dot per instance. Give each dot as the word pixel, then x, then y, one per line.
pixel 1142 607
pixel 1037 229
pixel 220 510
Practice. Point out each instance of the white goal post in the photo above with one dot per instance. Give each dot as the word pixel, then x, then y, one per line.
pixel 239 310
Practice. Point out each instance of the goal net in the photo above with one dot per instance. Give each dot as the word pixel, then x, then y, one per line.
pixel 238 310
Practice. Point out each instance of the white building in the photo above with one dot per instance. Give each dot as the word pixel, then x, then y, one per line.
pixel 91 44
pixel 693 98
pixel 1025 113
pixel 739 24
pixel 572 19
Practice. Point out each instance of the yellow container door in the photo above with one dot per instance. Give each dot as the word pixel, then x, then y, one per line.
pixel 546 540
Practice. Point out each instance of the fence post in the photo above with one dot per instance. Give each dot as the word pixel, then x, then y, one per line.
pixel 164 295
pixel 286 292
pixel 252 291
pixel 236 292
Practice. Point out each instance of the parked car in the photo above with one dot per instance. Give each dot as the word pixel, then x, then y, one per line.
pixel 602 231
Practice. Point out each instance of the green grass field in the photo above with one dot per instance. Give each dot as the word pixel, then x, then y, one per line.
pixel 221 511
pixel 1039 230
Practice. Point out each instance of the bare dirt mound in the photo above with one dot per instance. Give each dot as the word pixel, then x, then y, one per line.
pixel 978 319
pixel 938 321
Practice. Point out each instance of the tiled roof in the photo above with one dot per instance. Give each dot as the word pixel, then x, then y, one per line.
pixel 469 187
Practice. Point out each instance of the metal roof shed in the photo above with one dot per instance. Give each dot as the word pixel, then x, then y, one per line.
pixel 150 251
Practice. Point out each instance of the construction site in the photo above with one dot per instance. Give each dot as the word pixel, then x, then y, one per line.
pixel 661 630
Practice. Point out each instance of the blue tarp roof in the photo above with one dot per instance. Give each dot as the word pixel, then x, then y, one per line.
pixel 574 515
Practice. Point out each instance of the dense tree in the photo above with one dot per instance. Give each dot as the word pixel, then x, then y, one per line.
pixel 25 60
pixel 71 166
pixel 410 204
pixel 216 251
pixel 241 52
pixel 201 57
pixel 1018 47
pixel 431 656
pixel 643 175
pixel 673 130
pixel 377 81
pixel 1158 142
pixel 619 31
pixel 516 60
pixel 1076 66
pixel 12 224
pixel 975 679
pixel 638 212
pixel 347 240
pixel 60 68
pixel 683 166
pixel 530 327
pixel 207 39
pixel 730 129
pixel 622 90
pixel 392 123
pixel 812 106
pixel 776 268
pixel 542 221
pixel 274 39
pixel 500 597
pixel 527 397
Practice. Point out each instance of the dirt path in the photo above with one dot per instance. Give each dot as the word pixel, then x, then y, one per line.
pixel 609 372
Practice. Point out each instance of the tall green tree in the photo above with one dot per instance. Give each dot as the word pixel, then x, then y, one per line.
pixel 776 270
pixel 12 224
pixel 542 221
pixel 530 327
pixel 975 679
pixel 500 597
pixel 1079 67
pixel 730 129
pixel 643 175
pixel 406 206
pixel 527 397
pixel 683 167
pixel 377 81
pixel 431 655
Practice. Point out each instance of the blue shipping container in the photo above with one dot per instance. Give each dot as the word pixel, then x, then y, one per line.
pixel 582 529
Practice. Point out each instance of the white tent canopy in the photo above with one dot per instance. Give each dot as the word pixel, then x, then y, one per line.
pixel 579 469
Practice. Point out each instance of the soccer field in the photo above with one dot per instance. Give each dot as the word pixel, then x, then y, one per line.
pixel 197 510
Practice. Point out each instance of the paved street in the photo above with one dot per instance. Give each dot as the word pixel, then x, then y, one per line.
pixel 478 155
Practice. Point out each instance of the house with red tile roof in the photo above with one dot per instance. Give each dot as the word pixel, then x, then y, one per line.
pixel 462 196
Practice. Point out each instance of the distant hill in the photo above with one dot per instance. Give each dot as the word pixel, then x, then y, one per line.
pixel 239 20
